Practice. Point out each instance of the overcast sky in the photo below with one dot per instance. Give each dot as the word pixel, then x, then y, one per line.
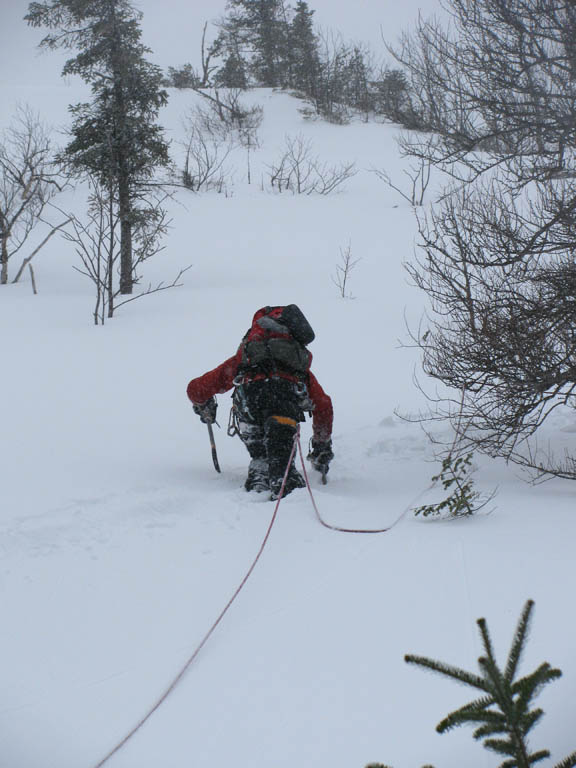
pixel 173 29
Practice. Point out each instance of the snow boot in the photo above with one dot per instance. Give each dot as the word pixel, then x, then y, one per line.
pixel 279 439
pixel 257 479
pixel 293 481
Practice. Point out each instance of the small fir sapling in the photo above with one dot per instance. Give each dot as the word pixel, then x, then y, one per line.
pixel 504 715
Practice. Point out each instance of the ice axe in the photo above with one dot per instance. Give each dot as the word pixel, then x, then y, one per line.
pixel 213 447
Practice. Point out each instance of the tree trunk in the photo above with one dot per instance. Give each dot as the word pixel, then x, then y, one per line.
pixel 124 209
pixel 110 256
pixel 122 150
pixel 4 261
pixel 33 279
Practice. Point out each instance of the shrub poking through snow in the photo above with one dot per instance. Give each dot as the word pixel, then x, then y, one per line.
pixel 343 271
pixel 464 499
pixel 303 173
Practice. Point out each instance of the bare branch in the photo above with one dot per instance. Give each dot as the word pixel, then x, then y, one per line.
pixel 302 173
pixel 160 287
pixel 28 259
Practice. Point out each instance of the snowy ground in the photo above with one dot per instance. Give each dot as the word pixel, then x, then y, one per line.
pixel 120 544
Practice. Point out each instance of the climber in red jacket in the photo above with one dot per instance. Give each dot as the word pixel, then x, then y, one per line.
pixel 273 388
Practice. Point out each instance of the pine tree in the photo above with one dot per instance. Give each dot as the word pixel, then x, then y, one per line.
pixel 233 73
pixel 303 56
pixel 183 77
pixel 114 137
pixel 357 78
pixel 393 98
pixel 260 27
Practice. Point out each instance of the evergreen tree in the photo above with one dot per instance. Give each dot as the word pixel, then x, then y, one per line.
pixel 114 137
pixel 332 92
pixel 261 28
pixel 183 77
pixel 357 78
pixel 303 56
pixel 393 98
pixel 233 73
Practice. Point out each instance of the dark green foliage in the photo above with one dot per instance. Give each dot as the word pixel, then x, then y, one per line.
pixel 117 126
pixel 357 92
pixel 304 58
pixel 381 765
pixel 259 27
pixel 183 77
pixel 344 80
pixel 392 98
pixel 279 47
pixel 114 138
pixel 377 765
pixel 98 147
pixel 568 762
pixel 455 475
pixel 233 73
pixel 503 715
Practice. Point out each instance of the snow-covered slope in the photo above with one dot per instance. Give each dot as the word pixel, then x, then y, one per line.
pixel 120 544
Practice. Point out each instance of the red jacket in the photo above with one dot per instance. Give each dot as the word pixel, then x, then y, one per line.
pixel 221 379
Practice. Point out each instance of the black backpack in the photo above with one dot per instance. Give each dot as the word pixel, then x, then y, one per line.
pixel 276 342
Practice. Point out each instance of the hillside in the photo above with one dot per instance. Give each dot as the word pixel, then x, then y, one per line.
pixel 120 544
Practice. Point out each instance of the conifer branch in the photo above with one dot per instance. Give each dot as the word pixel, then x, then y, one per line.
pixel 518 642
pixel 568 762
pixel 476 711
pixel 445 669
pixel 504 717
pixel 498 725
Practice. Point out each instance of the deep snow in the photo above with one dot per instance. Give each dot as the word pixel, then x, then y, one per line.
pixel 120 544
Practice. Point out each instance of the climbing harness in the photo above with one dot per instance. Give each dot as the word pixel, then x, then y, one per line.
pixel 296 445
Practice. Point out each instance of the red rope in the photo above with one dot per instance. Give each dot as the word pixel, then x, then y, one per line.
pixel 228 605
pixel 208 634
pixel 336 527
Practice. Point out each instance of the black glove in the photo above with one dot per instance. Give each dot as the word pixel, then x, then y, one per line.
pixel 206 411
pixel 321 455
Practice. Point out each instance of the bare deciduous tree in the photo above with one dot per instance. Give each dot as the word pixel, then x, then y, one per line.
pixel 498 87
pixel 225 122
pixel 303 173
pixel 97 245
pixel 419 176
pixel 497 254
pixel 207 54
pixel 205 159
pixel 227 114
pixel 29 179
pixel 502 326
pixel 343 271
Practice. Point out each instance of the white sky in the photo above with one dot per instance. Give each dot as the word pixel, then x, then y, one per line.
pixel 173 28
